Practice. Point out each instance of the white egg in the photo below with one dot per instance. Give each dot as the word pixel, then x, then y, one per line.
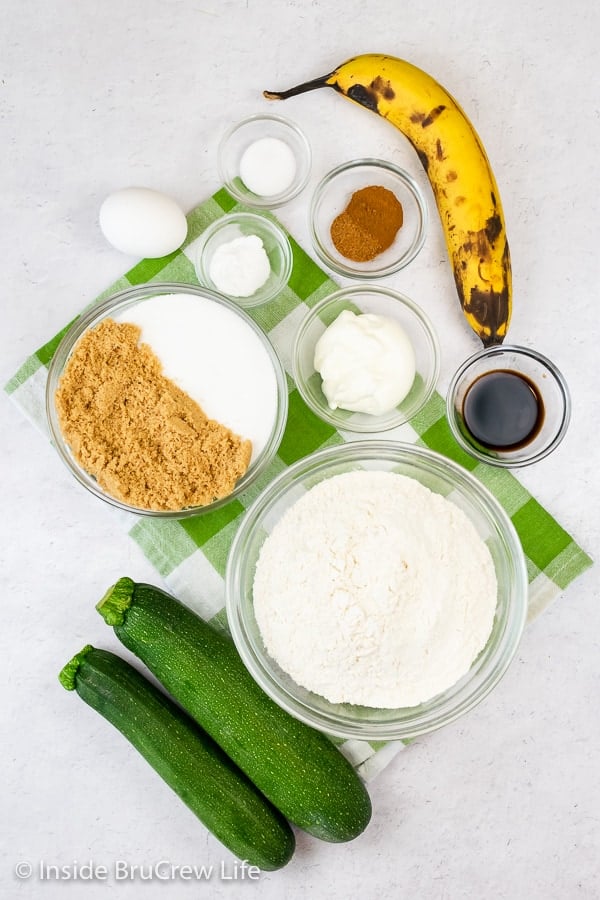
pixel 142 222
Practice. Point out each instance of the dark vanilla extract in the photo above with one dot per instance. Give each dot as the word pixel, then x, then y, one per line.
pixel 503 410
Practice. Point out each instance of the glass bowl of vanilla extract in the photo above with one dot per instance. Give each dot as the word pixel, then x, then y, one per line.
pixel 508 406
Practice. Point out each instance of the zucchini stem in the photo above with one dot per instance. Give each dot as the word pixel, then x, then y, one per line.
pixel 116 601
pixel 68 673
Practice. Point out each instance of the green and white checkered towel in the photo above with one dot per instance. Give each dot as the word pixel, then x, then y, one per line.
pixel 191 554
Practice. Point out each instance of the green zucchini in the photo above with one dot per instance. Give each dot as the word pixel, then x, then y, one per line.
pixel 299 769
pixel 188 760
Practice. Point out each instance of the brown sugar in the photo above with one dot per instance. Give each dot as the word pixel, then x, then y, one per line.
pixel 147 442
pixel 368 225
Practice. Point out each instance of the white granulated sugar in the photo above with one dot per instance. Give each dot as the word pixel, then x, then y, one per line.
pixel 213 355
pixel 374 590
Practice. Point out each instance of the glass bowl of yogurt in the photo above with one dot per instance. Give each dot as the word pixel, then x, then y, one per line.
pixel 166 400
pixel 361 640
pixel 366 359
pixel 245 256
pixel 264 161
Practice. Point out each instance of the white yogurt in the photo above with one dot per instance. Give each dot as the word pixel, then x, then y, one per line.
pixel 367 363
pixel 215 357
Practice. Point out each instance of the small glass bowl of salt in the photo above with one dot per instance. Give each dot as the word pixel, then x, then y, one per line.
pixel 264 161
pixel 244 256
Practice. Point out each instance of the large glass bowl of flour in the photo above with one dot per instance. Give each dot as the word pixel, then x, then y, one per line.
pixel 492 528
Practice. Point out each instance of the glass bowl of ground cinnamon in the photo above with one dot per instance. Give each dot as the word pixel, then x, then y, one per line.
pixel 166 400
pixel 368 219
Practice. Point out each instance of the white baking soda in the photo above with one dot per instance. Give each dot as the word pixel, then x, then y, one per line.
pixel 240 267
pixel 373 590
pixel 268 167
pixel 215 357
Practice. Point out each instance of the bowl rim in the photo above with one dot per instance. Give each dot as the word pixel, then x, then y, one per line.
pixel 505 461
pixel 299 183
pixel 99 310
pixel 357 291
pixel 418 723
pixel 349 269
pixel 262 220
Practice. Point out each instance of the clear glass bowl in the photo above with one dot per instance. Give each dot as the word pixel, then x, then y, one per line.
pixel 274 240
pixel 440 475
pixel 551 387
pixel 367 299
pixel 115 306
pixel 331 197
pixel 240 136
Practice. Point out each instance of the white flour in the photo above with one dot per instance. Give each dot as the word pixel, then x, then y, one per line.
pixel 374 590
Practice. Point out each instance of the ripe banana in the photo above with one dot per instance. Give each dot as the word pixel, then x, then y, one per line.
pixel 456 164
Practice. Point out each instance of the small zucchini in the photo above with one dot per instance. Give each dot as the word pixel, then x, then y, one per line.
pixel 296 767
pixel 188 760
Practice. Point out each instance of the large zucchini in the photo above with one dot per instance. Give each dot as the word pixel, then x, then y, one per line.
pixel 297 768
pixel 190 762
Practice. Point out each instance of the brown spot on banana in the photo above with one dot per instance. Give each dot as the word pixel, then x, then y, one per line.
pixel 382 87
pixel 493 228
pixel 432 116
pixel 423 158
pixel 487 312
pixel 427 119
pixel 486 307
pixel 363 95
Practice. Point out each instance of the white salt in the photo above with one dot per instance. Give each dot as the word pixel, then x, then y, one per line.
pixel 268 167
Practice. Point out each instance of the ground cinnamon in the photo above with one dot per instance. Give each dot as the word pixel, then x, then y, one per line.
pixel 147 442
pixel 368 225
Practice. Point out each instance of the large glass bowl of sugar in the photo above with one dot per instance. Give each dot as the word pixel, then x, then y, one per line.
pixel 212 350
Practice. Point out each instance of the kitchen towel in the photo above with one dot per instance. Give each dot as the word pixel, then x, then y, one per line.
pixel 190 554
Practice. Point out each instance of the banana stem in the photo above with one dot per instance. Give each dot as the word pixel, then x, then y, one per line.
pixel 312 85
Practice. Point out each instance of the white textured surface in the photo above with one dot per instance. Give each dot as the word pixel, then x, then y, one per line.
pixel 94 97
